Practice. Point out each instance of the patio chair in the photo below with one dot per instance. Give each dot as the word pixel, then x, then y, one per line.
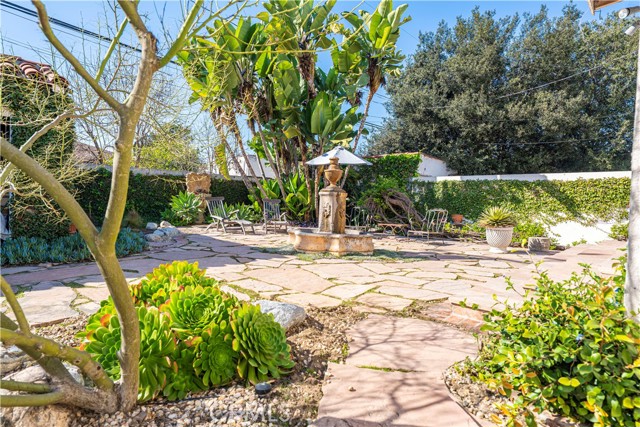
pixel 431 225
pixel 272 215
pixel 217 211
pixel 360 219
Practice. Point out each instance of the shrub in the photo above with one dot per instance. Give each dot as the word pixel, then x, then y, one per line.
pixel 133 219
pixel 243 211
pixel 525 229
pixel 70 248
pixel 185 208
pixel 203 337
pixel 620 231
pixel 570 349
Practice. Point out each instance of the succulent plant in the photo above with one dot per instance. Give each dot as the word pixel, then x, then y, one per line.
pixel 183 379
pixel 186 207
pixel 497 217
pixel 194 308
pixel 215 360
pixel 156 287
pixel 261 344
pixel 157 344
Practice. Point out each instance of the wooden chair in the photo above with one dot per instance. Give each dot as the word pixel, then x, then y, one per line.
pixel 217 211
pixel 431 225
pixel 272 216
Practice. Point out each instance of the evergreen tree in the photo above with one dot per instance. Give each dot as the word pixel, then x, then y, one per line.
pixel 517 95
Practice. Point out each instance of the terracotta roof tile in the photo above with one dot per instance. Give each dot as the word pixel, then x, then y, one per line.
pixel 19 67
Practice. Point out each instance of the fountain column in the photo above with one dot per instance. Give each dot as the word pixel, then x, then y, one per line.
pixel 332 216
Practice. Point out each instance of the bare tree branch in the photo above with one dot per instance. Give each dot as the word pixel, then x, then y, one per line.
pixel 43 19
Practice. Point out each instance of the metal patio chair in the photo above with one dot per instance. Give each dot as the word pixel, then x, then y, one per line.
pixel 272 216
pixel 431 225
pixel 360 219
pixel 217 211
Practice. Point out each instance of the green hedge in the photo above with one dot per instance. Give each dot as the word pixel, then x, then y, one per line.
pixel 149 195
pixel 397 167
pixel 583 200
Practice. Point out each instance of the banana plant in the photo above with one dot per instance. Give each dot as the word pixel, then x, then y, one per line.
pixel 301 28
pixel 372 47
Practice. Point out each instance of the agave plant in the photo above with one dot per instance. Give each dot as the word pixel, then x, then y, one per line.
pixel 261 344
pixel 102 340
pixel 195 308
pixel 186 207
pixel 497 217
pixel 216 359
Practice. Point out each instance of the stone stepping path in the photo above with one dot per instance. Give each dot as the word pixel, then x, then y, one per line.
pixel 393 376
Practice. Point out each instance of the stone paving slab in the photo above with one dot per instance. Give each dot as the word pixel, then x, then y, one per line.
pixel 296 279
pixel 410 293
pixel 408 343
pixel 256 285
pixel 331 271
pixel 361 393
pixel 384 301
pixel 314 300
pixel 348 291
pixel 386 399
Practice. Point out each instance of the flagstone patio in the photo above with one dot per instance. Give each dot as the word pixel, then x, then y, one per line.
pixel 393 373
pixel 402 271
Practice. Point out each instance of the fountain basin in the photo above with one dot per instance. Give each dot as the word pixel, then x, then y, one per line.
pixel 311 240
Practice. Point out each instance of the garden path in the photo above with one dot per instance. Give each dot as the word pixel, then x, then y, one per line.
pixel 394 362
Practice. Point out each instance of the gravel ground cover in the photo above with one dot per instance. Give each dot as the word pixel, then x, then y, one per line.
pixel 292 402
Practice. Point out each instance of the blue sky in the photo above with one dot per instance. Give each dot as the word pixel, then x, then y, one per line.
pixel 21 36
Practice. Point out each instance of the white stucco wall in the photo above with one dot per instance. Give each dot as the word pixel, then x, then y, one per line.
pixel 528 177
pixel 432 167
pixel 570 231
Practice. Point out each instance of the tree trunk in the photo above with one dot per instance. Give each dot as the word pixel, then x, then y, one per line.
pixel 632 285
pixel 274 165
pixel 360 129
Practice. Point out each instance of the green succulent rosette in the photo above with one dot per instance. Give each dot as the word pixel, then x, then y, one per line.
pixel 261 344
pixel 157 343
pixel 158 285
pixel 215 360
pixel 183 378
pixel 195 308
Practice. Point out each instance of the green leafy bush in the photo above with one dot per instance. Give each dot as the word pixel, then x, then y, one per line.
pixel 295 201
pixel 69 248
pixel 570 349
pixel 583 200
pixel 620 231
pixel 185 208
pixel 243 211
pixel 525 229
pixel 203 337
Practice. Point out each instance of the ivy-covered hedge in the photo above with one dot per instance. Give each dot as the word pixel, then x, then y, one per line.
pixel 149 195
pixel 583 200
pixel 397 167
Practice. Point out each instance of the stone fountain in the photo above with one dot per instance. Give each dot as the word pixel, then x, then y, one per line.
pixel 331 235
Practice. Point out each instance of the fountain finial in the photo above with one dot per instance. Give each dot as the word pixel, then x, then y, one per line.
pixel 333 173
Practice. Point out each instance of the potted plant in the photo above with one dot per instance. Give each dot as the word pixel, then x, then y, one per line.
pixel 499 222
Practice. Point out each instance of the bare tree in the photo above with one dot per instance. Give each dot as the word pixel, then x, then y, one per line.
pixel 106 396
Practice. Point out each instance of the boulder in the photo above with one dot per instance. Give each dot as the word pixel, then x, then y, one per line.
pixel 153 237
pixel 539 243
pixel 151 226
pixel 170 231
pixel 165 224
pixel 288 315
pixel 11 358
pixel 37 416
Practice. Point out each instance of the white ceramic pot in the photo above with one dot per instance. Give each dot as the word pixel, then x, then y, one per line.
pixel 499 239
